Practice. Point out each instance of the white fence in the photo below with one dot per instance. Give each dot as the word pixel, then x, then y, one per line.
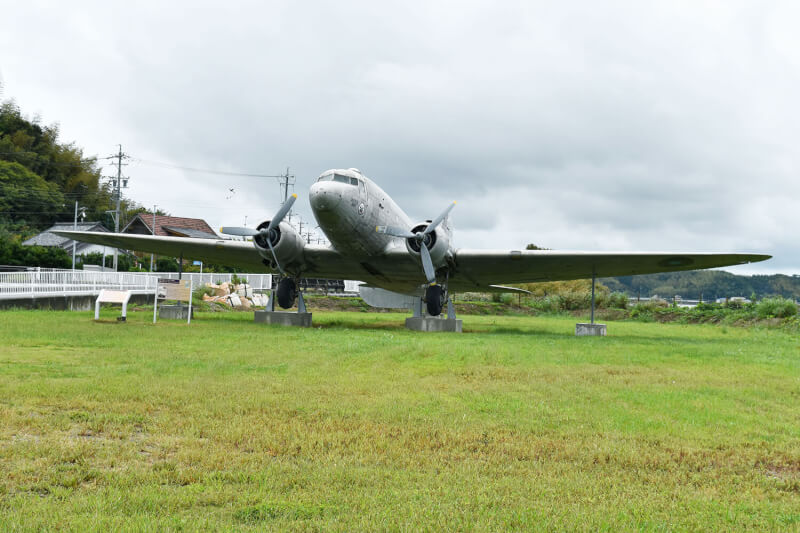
pixel 47 283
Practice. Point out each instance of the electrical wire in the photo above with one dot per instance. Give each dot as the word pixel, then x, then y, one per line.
pixel 43 162
pixel 203 170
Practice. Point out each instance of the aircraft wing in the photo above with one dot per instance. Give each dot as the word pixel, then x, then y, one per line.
pixel 321 261
pixel 476 269
pixel 220 251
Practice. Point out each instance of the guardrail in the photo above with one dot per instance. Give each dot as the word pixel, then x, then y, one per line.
pixel 44 283
pixel 48 283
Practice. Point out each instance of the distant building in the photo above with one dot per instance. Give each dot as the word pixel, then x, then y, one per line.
pixel 165 226
pixel 734 299
pixel 48 238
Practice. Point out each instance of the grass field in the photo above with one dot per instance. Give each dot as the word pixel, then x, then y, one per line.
pixel 358 424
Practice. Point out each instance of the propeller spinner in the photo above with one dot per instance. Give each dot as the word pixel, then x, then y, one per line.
pixel 269 232
pixel 422 239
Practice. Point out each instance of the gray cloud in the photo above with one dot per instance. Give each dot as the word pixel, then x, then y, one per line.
pixel 573 125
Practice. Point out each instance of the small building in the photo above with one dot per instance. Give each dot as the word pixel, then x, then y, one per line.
pixel 48 238
pixel 166 226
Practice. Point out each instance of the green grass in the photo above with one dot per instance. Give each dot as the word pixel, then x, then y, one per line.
pixel 358 424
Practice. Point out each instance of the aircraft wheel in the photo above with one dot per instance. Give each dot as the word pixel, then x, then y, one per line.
pixel 287 293
pixel 434 298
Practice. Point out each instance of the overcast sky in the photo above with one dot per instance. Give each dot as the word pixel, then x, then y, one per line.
pixel 573 125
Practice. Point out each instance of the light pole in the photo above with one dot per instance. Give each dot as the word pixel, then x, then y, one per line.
pixel 75 227
pixel 154 232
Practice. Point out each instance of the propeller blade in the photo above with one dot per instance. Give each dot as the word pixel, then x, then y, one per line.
pixel 395 232
pixel 438 220
pixel 427 264
pixel 275 257
pixel 241 232
pixel 287 205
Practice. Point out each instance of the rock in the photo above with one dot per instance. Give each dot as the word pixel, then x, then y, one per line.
pixel 223 289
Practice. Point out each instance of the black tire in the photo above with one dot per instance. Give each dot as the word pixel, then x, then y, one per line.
pixel 434 299
pixel 287 293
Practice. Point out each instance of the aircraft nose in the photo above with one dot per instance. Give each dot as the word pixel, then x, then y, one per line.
pixel 324 196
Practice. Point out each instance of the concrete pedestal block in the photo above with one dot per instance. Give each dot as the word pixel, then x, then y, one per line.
pixel 174 311
pixel 282 318
pixel 430 323
pixel 590 330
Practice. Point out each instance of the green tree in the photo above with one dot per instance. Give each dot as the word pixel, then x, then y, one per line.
pixel 37 148
pixel 14 253
pixel 26 199
pixel 166 264
pixel 125 262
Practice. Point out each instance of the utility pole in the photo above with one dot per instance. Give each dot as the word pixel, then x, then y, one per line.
pixel 154 232
pixel 287 180
pixel 74 227
pixel 117 191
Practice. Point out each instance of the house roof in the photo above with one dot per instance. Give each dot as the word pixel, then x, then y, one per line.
pixel 167 226
pixel 47 238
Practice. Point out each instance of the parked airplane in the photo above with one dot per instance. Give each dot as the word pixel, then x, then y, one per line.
pixel 373 240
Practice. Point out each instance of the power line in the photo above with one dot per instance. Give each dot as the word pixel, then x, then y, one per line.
pixel 45 162
pixel 205 170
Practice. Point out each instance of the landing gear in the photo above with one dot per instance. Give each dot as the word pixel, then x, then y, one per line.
pixel 435 298
pixel 428 309
pixel 287 293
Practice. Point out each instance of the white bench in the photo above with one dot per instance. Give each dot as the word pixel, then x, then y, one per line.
pixel 112 297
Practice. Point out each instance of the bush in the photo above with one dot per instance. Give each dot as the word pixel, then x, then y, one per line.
pixel 776 308
pixel 648 308
pixel 14 253
pixel 616 300
pixel 125 262
pixel 166 264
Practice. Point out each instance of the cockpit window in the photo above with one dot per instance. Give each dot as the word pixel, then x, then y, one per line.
pixel 345 179
pixel 338 177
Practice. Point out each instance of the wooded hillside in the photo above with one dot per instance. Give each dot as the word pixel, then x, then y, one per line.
pixel 708 284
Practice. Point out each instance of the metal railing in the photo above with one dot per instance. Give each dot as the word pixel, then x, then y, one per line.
pixel 48 283
pixel 43 283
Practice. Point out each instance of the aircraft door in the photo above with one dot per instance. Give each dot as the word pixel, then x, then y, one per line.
pixel 362 198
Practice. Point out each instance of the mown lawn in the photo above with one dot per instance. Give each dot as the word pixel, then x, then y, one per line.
pixel 358 424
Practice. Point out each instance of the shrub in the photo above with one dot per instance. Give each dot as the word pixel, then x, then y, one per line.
pixel 776 308
pixel 648 308
pixel 166 264
pixel 616 300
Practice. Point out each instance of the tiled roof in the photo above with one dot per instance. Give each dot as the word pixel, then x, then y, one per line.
pixel 46 238
pixel 163 222
pixel 188 232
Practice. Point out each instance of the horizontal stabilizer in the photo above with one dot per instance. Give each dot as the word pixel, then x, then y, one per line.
pixel 502 288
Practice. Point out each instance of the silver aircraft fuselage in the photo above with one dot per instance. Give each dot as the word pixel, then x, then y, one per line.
pixel 349 206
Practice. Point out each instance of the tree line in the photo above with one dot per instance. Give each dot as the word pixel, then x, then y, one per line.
pixel 41 178
pixel 706 284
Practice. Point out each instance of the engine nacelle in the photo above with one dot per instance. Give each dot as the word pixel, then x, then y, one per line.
pixel 438 242
pixel 286 242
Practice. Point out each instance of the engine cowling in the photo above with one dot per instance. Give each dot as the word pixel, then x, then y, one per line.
pixel 286 242
pixel 438 242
